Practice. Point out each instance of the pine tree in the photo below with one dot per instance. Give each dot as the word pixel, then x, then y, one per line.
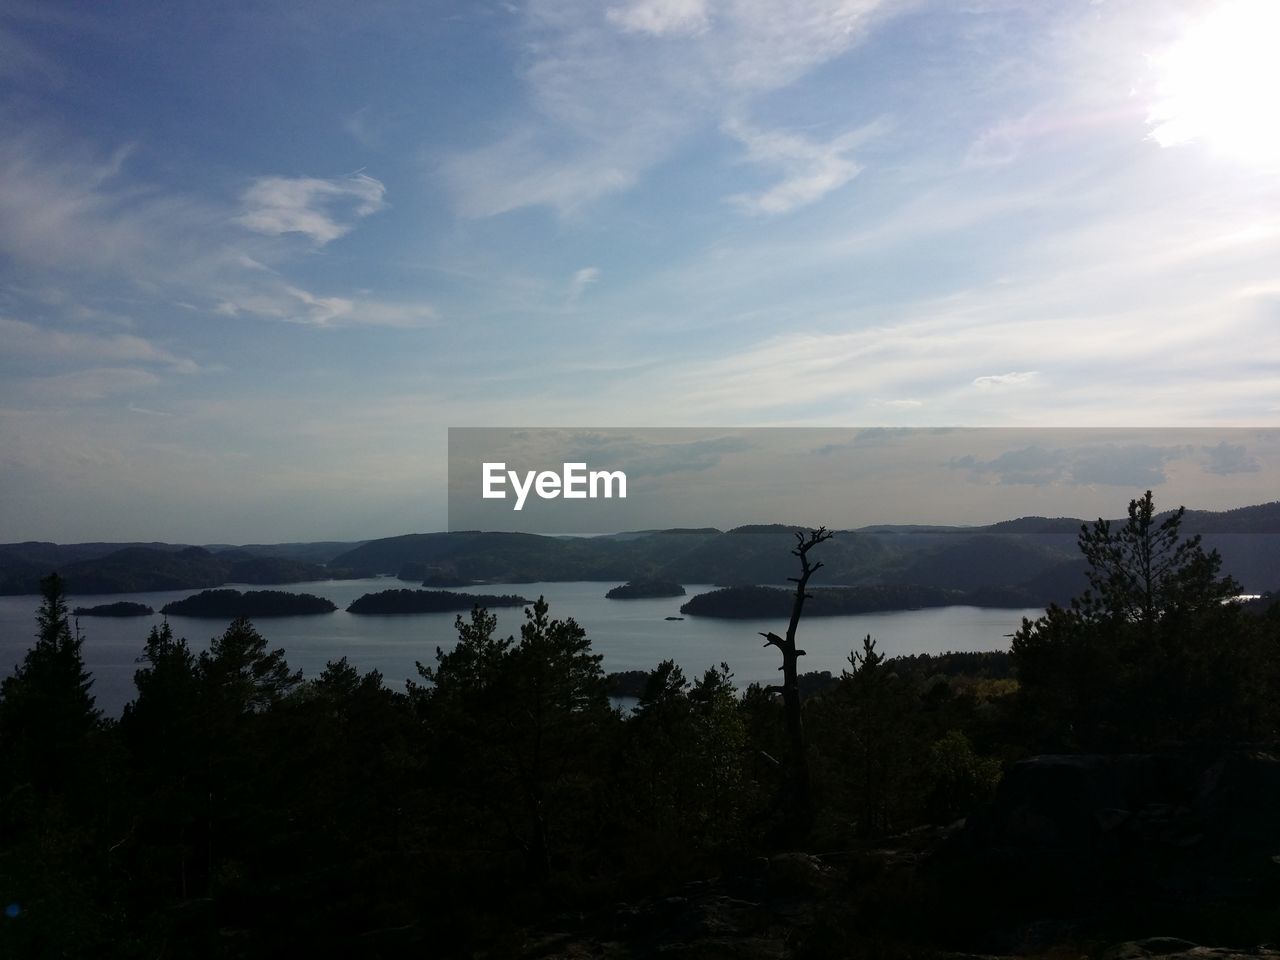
pixel 241 675
pixel 1151 651
pixel 517 724
pixel 47 713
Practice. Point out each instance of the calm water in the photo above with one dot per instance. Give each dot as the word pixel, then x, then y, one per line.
pixel 631 634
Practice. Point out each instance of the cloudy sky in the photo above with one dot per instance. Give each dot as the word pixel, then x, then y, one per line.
pixel 255 259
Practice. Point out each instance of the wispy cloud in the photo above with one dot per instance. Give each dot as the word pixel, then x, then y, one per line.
pixel 660 17
pixel 581 280
pixel 293 304
pixel 69 210
pixel 612 91
pixel 34 343
pixel 810 169
pixel 996 381
pixel 310 206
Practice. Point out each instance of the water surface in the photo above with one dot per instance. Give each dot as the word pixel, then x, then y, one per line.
pixel 631 634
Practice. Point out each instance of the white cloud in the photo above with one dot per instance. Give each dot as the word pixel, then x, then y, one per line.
pixel 997 380
pixel 659 17
pixel 310 206
pixel 66 209
pixel 581 280
pixel 613 91
pixel 810 169
pixel 520 171
pixel 32 342
pixel 88 385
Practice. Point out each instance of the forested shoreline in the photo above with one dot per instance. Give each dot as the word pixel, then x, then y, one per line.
pixel 500 802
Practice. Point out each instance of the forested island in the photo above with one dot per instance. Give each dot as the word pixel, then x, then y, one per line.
pixel 645 589
pixel 124 608
pixel 229 604
pixel 754 603
pixel 430 601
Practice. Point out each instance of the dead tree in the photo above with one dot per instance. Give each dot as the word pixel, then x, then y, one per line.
pixel 793 799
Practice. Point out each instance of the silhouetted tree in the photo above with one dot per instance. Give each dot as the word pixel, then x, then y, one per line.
pixel 162 730
pixel 794 800
pixel 524 719
pixel 1150 651
pixel 680 771
pixel 160 721
pixel 875 731
pixel 46 710
pixel 240 675
pixel 53 796
pixel 1145 572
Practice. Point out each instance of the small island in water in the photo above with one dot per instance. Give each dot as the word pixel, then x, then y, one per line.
pixel 762 603
pixel 256 604
pixel 645 589
pixel 124 608
pixel 430 601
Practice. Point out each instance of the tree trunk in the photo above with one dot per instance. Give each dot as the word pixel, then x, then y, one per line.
pixel 794 796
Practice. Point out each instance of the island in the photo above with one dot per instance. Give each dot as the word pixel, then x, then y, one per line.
pixel 255 604
pixel 645 589
pixel 430 601
pixel 627 683
pixel 125 608
pixel 762 603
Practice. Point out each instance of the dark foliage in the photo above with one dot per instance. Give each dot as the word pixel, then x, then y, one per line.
pixel 757 603
pixel 501 807
pixel 1151 653
pixel 255 604
pixel 640 589
pixel 124 608
pixel 429 601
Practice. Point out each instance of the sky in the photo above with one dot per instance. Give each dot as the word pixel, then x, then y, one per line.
pixel 256 259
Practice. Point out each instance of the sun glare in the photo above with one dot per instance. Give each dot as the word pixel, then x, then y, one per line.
pixel 1220 81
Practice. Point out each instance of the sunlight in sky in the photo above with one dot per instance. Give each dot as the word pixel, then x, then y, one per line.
pixel 1219 83
pixel 255 260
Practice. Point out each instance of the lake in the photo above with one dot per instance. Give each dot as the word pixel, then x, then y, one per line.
pixel 631 634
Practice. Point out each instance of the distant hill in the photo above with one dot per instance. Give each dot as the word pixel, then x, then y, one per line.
pixel 982 560
pixel 1032 558
pixel 521 557
pixel 145 568
pixel 321 551
pixel 762 554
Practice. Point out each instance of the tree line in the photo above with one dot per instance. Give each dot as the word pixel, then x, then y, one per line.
pixel 238 809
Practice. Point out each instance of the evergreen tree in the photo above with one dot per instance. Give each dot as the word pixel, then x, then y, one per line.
pixel 1150 652
pixel 241 675
pixel 160 721
pixel 518 724
pixel 46 710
